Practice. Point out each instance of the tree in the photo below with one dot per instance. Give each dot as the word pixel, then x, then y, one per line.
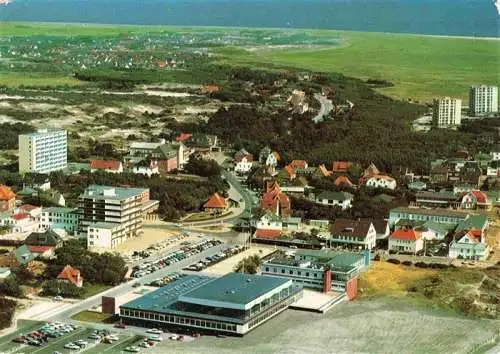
pixel 54 287
pixel 7 309
pixel 10 287
pixel 250 264
pixel 201 167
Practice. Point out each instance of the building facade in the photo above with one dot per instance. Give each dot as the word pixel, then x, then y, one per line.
pixel 483 99
pixel 116 205
pixel 105 235
pixel 447 112
pixel 43 152
pixel 59 218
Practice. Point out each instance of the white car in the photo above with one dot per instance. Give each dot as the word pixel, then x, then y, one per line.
pixel 154 331
pixel 132 349
pixel 174 337
pixel 71 346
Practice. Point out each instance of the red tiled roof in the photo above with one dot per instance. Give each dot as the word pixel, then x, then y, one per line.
pixel 266 233
pixel 70 273
pixel 341 166
pixel 183 137
pixel 342 180
pixel 239 156
pixel 113 165
pixel 324 171
pixel 480 196
pixel 20 216
pixel 289 170
pixel 215 202
pixel 39 249
pixel 405 234
pixel 299 164
pixel 28 207
pixel 6 193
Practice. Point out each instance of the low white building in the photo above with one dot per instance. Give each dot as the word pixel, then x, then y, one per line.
pixel 243 161
pixel 104 235
pixel 406 240
pixel 58 218
pixel 269 221
pixel 381 181
pixel 147 169
pixel 342 200
pixel 469 246
pixel 354 234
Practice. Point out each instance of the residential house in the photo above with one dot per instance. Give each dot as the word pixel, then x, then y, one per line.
pixel 493 169
pixel 57 218
pixel 495 153
pixel 343 182
pixel 170 156
pixel 291 223
pixel 359 233
pixel 7 199
pixel 381 228
pixel 147 168
pixel 43 243
pixel 406 240
pixel 324 171
pixel 33 210
pixel 263 154
pixel 4 272
pixel 110 166
pixel 460 189
pixel 71 275
pixel 272 159
pixel 475 199
pixel 20 256
pixel 288 173
pixel 369 172
pixel 20 222
pixel 469 246
pixel 275 201
pixel 299 164
pixel 341 166
pixel 298 102
pixel 342 200
pixel 142 150
pixel 216 204
pixel 439 231
pixel 381 181
pixel 269 221
pixel 243 161
pixel 182 137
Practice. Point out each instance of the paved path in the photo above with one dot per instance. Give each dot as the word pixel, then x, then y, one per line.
pixel 324 110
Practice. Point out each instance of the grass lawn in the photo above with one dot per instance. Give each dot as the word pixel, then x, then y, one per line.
pixel 36 79
pixel 92 289
pixel 420 67
pixel 91 316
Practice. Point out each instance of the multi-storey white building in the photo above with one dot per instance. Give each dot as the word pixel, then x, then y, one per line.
pixel 483 100
pixel 105 235
pixel 124 207
pixel 447 112
pixel 57 218
pixel 44 151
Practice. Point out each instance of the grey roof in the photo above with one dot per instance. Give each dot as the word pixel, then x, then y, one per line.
pixel 380 225
pixel 336 260
pixel 23 254
pixel 62 210
pixel 354 228
pixel 430 212
pixel 47 238
pixel 292 220
pixel 446 195
pixel 104 225
pixel 111 193
pixel 166 151
pixel 235 288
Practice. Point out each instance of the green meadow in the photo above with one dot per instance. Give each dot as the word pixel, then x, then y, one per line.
pixel 420 67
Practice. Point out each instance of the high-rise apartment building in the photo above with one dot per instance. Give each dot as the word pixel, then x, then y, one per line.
pixel 483 100
pixel 44 151
pixel 110 215
pixel 447 112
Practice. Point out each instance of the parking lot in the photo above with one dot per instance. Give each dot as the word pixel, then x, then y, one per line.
pixel 215 259
pixel 64 338
pixel 188 249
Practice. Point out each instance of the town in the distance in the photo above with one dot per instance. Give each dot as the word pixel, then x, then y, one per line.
pixel 138 216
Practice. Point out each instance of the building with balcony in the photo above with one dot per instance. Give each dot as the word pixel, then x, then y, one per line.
pixel 121 206
pixel 44 151
pixel 58 218
pixel 483 99
pixel 447 112
pixel 233 304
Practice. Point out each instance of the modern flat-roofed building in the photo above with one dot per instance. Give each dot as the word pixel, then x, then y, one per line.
pixel 483 99
pixel 321 270
pixel 440 215
pixel 59 218
pixel 447 112
pixel 233 304
pixel 121 206
pixel 44 151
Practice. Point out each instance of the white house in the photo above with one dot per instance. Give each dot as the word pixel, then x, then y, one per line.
pixel 493 171
pixel 469 246
pixel 339 199
pixel 475 199
pixel 147 169
pixel 381 181
pixel 243 161
pixel 359 234
pixel 272 159
pixel 406 240
pixel 269 221
pixel 495 154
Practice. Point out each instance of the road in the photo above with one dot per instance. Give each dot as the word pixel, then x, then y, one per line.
pixel 324 110
pixel 65 312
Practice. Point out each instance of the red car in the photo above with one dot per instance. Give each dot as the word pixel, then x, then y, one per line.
pixel 121 325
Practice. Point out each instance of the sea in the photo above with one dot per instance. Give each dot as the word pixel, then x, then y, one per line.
pixel 431 17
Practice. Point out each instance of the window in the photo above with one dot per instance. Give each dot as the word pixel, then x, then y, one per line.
pixel 291 271
pixel 267 269
pixel 283 271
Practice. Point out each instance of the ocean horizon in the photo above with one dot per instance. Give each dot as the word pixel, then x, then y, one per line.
pixel 430 17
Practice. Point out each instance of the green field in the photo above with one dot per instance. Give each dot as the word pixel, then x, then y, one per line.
pixel 420 67
pixel 92 316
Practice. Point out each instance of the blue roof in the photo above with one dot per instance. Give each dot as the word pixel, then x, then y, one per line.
pixel 234 288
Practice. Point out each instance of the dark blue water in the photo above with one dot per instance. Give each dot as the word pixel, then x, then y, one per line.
pixel 441 17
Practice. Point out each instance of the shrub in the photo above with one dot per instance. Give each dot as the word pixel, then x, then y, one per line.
pixel 407 263
pixel 421 265
pixel 412 289
pixel 377 257
pixel 394 261
pixel 10 287
pixel 55 287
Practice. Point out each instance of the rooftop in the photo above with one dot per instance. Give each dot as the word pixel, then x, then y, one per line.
pixel 104 225
pixel 233 290
pixel 430 212
pixel 111 193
